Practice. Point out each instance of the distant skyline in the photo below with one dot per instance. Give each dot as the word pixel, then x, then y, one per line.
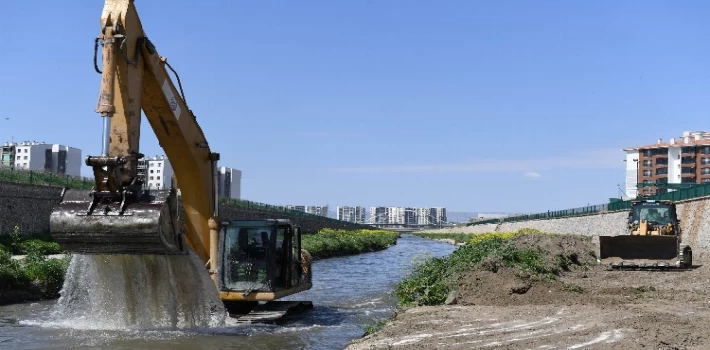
pixel 473 106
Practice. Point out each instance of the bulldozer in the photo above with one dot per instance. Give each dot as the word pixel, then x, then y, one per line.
pixel 251 262
pixel 653 239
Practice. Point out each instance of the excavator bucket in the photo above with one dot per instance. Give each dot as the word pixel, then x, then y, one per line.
pixel 145 225
pixel 639 250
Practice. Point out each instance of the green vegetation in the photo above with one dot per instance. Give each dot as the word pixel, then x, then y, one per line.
pixel 36 276
pixel 329 243
pixel 373 328
pixel 457 237
pixel 430 281
pixel 45 179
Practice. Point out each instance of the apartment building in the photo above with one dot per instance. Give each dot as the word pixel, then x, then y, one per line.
pixel 321 210
pixel 157 172
pixel 685 159
pixel 41 156
pixel 354 214
pixel 407 215
pixel 229 182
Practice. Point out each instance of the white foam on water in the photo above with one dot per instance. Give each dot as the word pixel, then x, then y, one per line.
pixel 144 292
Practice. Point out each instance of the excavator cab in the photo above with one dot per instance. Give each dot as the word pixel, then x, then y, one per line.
pixel 261 261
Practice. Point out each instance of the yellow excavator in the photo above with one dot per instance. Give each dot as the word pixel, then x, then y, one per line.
pixel 252 262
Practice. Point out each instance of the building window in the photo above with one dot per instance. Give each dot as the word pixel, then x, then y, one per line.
pixel 157 178
pixel 705 171
pixel 151 178
pixel 706 180
pixel 158 171
pixel 647 153
pixel 159 164
pixel 647 162
pixel 687 170
pixel 688 180
pixel 25 157
pixel 690 149
pixel 687 160
pixel 647 173
pixel 705 150
pixel 661 161
pixel 151 171
pixel 18 157
pixel 661 171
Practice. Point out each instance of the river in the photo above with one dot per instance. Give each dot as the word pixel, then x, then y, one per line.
pixel 348 294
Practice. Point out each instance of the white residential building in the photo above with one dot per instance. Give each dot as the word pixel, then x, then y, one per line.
pixel 157 172
pixel 685 159
pixel 45 157
pixel 407 215
pixel 229 182
pixel 321 210
pixel 439 213
pixel 354 214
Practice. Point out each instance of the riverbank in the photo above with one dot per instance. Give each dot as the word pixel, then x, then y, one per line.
pixel 328 243
pixel 30 270
pixel 522 291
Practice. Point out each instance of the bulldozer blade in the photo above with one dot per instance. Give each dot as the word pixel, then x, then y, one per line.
pixel 147 226
pixel 639 250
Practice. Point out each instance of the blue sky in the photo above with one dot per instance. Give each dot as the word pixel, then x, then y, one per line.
pixel 507 106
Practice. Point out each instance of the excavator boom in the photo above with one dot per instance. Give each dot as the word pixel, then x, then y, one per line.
pixel 121 215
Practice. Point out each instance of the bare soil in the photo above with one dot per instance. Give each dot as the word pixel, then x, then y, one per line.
pixel 587 308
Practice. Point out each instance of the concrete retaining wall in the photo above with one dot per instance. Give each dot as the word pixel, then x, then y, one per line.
pixel 29 207
pixel 26 206
pixel 694 215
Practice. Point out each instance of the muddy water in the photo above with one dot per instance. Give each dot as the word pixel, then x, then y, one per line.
pixel 348 293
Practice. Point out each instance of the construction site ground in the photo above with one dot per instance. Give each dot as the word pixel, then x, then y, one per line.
pixel 593 309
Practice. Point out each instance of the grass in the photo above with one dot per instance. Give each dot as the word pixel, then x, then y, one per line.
pixel 36 274
pixel 330 243
pixel 457 237
pixel 44 178
pixel 376 327
pixel 429 283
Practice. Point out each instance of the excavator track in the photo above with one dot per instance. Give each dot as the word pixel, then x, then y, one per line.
pixel 146 226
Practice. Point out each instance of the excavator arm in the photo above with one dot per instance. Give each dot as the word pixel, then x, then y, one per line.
pixel 120 215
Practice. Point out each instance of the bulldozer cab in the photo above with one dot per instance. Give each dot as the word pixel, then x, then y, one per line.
pixel 654 213
pixel 261 260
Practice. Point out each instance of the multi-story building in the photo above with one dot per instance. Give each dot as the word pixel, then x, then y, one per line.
pixel 7 155
pixel 439 215
pixel 40 156
pixel 378 215
pixel 680 160
pixel 229 182
pixel 407 215
pixel 423 216
pixel 354 214
pixel 321 210
pixel 157 172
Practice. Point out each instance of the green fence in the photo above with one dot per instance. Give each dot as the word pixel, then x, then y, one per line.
pixel 679 195
pixel 45 179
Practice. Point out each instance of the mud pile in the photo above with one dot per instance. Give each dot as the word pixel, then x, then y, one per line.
pixel 527 269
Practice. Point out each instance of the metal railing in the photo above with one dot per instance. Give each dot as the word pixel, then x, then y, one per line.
pixel 44 178
pixel 678 195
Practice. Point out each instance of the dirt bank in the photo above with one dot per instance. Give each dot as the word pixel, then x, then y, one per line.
pixel 587 308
